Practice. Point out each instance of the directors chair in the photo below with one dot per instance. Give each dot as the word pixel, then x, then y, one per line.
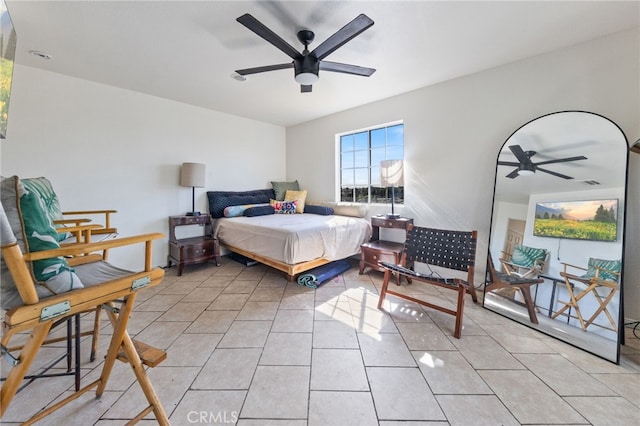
pixel 33 210
pixel 525 261
pixel 601 279
pixel 90 285
pixel 449 250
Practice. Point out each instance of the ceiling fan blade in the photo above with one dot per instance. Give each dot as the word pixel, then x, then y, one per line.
pixel 260 29
pixel 346 68
pixel 513 174
pixel 508 163
pixel 562 160
pixel 342 36
pixel 305 88
pixel 560 175
pixel 265 68
pixel 519 153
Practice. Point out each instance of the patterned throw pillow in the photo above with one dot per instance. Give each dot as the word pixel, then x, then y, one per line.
pixel 280 188
pixel 284 207
pixel 15 206
pixel 41 235
pixel 605 267
pixel 526 256
pixel 42 187
pixel 299 196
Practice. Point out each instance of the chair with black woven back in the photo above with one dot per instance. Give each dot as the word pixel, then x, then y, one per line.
pixel 499 280
pixel 447 250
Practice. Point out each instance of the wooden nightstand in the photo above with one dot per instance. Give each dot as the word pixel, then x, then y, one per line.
pixel 189 251
pixel 377 250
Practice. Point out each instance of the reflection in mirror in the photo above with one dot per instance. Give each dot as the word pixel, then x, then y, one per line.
pixel 557 230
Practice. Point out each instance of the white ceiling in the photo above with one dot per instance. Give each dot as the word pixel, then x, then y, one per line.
pixel 187 50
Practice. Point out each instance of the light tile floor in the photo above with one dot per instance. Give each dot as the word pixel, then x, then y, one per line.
pixel 247 347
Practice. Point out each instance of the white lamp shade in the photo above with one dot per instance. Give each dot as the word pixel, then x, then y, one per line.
pixel 192 175
pixel 391 173
pixel 306 78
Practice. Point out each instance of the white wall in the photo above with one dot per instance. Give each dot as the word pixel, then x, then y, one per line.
pixel 454 131
pixel 104 147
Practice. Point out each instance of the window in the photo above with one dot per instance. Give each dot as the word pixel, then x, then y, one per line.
pixel 360 157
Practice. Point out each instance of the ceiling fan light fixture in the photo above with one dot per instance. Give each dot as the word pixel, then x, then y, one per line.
pixel 306 64
pixel 306 70
pixel 306 78
pixel 526 169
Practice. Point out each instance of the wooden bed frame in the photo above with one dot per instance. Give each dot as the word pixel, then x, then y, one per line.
pixel 290 270
pixel 219 200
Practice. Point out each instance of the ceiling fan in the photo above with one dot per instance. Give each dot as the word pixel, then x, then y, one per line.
pixel 307 64
pixel 527 167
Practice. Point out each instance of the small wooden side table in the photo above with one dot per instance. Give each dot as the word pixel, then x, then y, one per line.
pixel 193 250
pixel 377 250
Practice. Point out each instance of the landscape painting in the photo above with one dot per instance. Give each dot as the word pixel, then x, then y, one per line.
pixel 594 220
pixel 7 54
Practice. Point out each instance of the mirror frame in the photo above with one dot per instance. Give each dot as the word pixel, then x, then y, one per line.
pixel 622 233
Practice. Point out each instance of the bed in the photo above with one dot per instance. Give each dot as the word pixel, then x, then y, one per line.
pixel 291 243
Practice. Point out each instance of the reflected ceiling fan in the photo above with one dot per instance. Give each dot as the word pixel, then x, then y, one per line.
pixel 525 166
pixel 307 64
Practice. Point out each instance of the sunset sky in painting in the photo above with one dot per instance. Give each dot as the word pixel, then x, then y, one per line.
pixel 582 210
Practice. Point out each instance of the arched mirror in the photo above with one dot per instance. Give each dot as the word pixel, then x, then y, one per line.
pixel 557 230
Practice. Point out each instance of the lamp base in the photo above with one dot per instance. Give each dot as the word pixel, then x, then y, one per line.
pixel 193 213
pixel 392 216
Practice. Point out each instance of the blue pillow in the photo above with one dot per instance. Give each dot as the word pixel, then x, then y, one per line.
pixel 259 211
pixel 219 200
pixel 321 210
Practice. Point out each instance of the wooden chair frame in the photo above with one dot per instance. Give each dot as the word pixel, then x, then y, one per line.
pixel 83 228
pixel 104 228
pixel 428 246
pixel 592 284
pixel 31 316
pixel 500 280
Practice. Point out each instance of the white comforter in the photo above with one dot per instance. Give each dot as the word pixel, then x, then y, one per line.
pixel 295 238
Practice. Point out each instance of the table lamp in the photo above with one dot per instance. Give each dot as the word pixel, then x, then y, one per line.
pixel 192 174
pixel 391 175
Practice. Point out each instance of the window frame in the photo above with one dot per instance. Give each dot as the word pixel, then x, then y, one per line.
pixel 369 166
